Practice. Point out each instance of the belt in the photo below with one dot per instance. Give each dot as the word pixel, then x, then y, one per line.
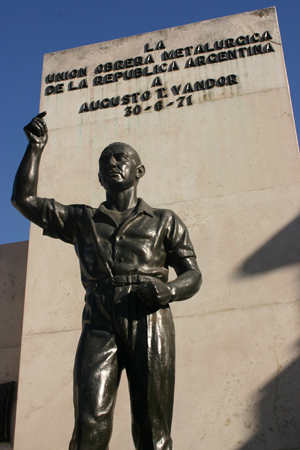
pixel 123 280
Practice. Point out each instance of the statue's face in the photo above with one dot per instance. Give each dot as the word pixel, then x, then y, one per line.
pixel 120 168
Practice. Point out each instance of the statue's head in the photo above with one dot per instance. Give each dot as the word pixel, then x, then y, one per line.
pixel 120 167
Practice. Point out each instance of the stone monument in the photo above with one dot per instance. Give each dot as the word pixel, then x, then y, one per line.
pixel 207 107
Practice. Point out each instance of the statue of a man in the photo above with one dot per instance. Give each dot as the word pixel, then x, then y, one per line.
pixel 125 248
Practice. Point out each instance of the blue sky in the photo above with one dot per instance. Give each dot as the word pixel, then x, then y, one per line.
pixel 32 28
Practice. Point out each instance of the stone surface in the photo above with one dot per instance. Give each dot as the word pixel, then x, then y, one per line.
pixel 228 164
pixel 243 368
pixel 46 383
pixel 13 260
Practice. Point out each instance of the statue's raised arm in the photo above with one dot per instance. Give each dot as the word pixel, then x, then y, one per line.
pixel 24 196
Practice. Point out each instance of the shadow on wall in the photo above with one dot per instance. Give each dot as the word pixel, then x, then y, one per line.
pixel 279 406
pixel 279 412
pixel 282 250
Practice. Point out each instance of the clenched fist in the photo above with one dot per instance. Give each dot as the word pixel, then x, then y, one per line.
pixel 36 131
pixel 154 293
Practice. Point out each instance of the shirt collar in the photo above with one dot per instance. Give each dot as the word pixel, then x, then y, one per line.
pixel 141 206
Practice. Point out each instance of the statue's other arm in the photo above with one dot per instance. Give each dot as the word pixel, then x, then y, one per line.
pixel 181 256
pixel 24 196
pixel 188 281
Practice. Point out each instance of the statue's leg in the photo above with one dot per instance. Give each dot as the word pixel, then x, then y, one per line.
pixel 96 379
pixel 151 373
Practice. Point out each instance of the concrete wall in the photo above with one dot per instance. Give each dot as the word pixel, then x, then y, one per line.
pixel 13 261
pixel 228 164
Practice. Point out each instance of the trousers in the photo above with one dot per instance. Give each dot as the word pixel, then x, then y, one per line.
pixel 120 333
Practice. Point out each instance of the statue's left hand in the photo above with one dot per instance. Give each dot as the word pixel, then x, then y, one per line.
pixel 154 293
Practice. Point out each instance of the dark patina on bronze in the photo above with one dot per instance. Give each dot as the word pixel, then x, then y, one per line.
pixel 125 248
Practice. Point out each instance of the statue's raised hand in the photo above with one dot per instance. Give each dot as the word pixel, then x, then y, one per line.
pixel 37 131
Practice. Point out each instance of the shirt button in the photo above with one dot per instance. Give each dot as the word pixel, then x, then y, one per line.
pixel 120 260
pixel 122 237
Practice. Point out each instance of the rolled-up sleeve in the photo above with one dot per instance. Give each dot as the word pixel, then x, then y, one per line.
pixel 58 220
pixel 178 244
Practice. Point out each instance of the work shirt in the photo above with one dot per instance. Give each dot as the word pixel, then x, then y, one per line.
pixel 146 243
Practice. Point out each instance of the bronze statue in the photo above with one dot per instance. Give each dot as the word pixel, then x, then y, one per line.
pixel 125 248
